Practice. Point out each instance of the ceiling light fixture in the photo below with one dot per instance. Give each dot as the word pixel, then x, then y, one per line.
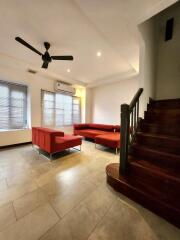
pixel 98 54
pixel 68 70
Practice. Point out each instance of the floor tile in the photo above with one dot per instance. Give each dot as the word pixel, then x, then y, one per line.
pixel 7 215
pixel 72 186
pixel 74 194
pixel 80 222
pixel 29 202
pixel 3 185
pixel 13 193
pixel 123 222
pixel 32 226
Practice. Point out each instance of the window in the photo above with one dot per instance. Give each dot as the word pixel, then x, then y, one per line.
pixel 13 106
pixel 59 109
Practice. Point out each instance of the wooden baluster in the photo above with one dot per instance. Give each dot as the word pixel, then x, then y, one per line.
pixel 127 134
pixel 132 127
pixel 125 121
pixel 137 110
pixel 135 123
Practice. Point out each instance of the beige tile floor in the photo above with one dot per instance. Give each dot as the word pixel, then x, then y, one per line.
pixel 68 199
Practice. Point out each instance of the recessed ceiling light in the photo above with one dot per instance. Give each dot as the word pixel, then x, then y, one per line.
pixel 68 70
pixel 98 54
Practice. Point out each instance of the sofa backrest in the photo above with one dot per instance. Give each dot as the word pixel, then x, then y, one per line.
pixel 117 128
pixel 45 138
pixel 104 127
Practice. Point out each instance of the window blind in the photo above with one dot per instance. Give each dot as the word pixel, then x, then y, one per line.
pixel 48 108
pixel 76 110
pixel 59 109
pixel 13 106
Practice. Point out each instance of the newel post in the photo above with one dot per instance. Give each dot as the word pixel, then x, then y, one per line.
pixel 125 118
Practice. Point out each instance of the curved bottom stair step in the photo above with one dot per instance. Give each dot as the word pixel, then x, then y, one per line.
pixel 139 192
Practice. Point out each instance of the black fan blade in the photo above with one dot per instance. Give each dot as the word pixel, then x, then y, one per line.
pixel 70 58
pixel 45 65
pixel 20 40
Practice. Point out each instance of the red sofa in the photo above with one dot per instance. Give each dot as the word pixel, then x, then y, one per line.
pixel 108 135
pixel 52 141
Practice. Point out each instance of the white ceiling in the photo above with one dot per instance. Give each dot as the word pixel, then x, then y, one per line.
pixel 80 28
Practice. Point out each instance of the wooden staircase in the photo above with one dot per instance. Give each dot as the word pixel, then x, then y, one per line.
pixel 153 166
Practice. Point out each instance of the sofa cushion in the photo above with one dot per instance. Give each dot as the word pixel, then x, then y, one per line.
pixel 109 139
pixel 68 138
pixel 68 141
pixel 91 133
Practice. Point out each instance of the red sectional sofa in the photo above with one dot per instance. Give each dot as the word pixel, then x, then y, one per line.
pixel 108 135
pixel 52 141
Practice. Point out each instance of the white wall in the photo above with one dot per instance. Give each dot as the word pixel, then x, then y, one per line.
pixel 148 50
pixel 35 84
pixel 108 98
pixel 88 107
pixel 168 65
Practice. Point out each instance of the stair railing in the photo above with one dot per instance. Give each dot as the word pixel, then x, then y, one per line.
pixel 129 125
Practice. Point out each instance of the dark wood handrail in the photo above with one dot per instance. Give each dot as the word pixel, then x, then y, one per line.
pixel 135 99
pixel 129 125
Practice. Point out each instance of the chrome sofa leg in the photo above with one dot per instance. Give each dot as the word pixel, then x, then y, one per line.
pixel 78 149
pixel 50 156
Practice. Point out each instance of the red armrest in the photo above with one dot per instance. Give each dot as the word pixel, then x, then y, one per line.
pixel 46 139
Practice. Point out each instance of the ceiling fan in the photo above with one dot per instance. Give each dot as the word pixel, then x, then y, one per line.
pixel 45 57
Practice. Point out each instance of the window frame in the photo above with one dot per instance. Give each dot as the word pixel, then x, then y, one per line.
pixel 54 115
pixel 24 89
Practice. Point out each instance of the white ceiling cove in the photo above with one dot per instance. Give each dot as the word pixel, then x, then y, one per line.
pixel 76 27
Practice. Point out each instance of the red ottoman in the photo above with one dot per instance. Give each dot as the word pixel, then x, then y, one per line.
pixel 111 140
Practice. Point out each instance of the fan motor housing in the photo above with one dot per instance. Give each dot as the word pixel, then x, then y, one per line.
pixel 46 57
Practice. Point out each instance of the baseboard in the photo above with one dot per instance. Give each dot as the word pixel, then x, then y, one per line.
pixel 15 145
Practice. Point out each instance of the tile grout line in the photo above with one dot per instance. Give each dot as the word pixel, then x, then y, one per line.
pixel 48 230
pixel 14 211
pixel 102 218
pixel 61 218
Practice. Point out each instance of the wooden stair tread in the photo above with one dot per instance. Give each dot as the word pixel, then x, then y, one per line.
pixel 158 125
pixel 167 174
pixel 161 142
pixel 161 136
pixel 161 110
pixel 164 101
pixel 160 128
pixel 148 149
